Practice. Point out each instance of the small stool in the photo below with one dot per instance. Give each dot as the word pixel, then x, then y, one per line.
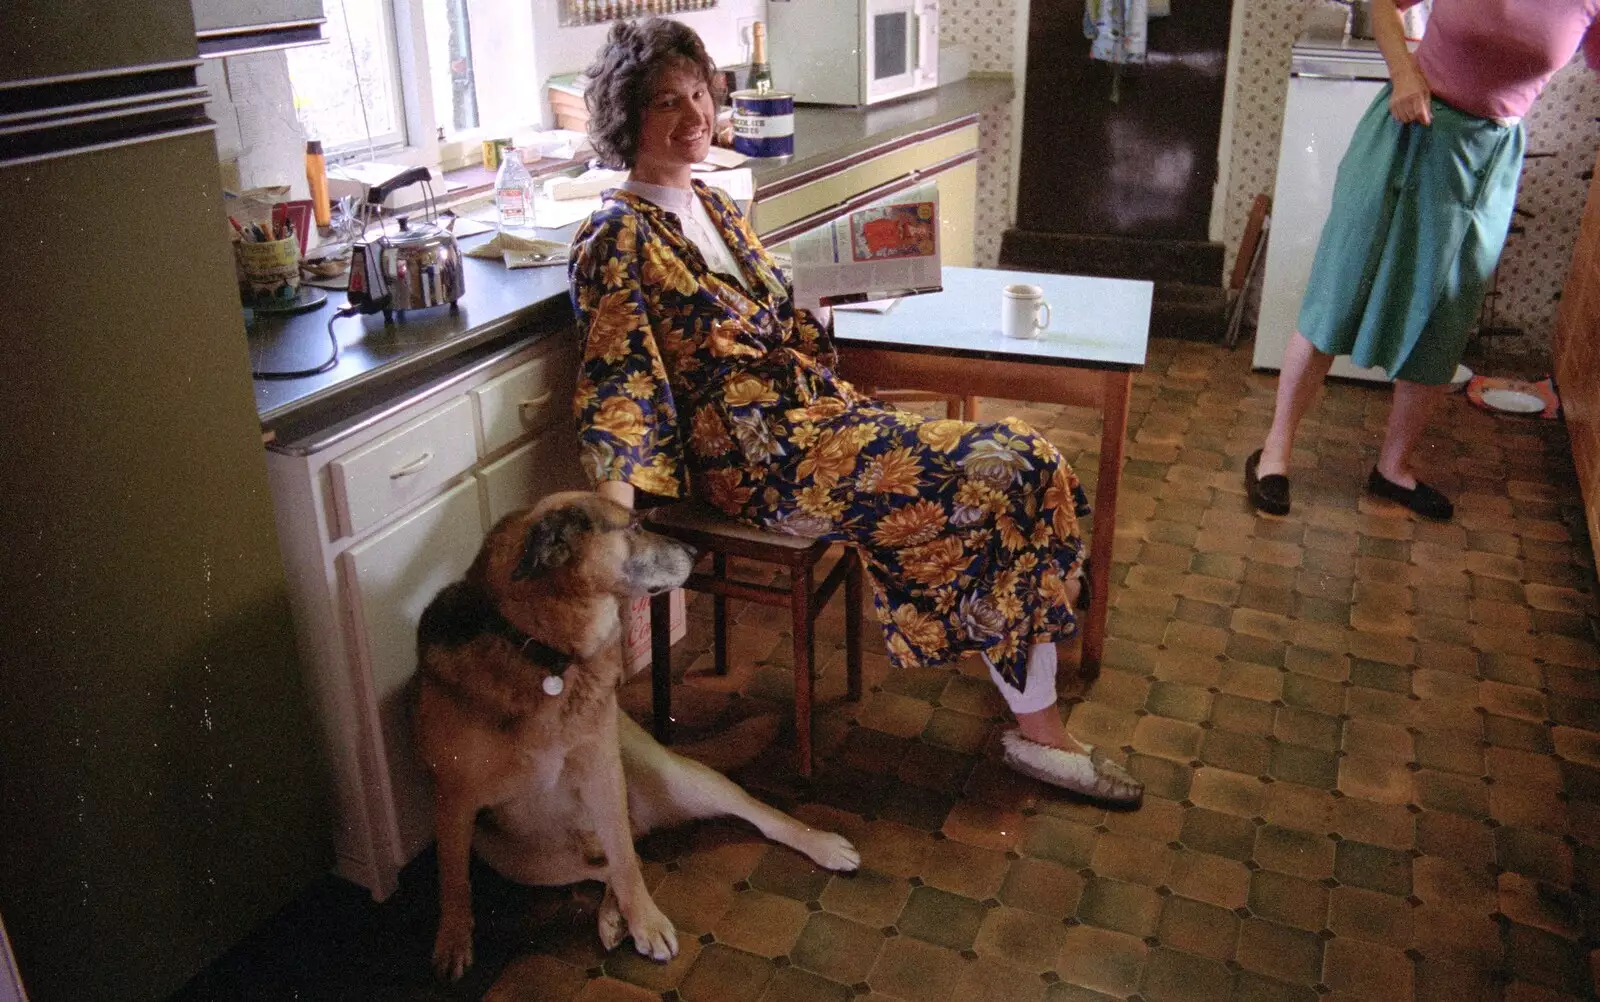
pixel 957 407
pixel 707 529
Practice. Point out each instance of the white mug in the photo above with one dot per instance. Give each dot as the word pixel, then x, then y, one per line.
pixel 1024 312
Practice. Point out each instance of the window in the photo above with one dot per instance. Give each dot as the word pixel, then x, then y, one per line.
pixel 347 91
pixel 422 80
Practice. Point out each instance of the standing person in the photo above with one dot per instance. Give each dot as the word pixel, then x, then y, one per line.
pixel 1420 213
pixel 701 376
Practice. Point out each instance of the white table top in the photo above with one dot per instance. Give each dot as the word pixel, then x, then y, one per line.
pixel 1101 323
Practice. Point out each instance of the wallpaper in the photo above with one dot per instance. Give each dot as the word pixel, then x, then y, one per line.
pixel 986 28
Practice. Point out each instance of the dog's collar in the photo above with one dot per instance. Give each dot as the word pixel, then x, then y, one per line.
pixel 554 662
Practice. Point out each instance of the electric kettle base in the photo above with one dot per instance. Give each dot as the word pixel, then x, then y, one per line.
pixel 390 316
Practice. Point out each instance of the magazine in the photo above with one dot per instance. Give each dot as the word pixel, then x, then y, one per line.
pixel 884 251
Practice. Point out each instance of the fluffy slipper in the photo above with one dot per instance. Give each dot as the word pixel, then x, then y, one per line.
pixel 1422 499
pixel 1092 774
pixel 1268 494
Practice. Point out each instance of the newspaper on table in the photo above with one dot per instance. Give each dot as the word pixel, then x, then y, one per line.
pixel 886 250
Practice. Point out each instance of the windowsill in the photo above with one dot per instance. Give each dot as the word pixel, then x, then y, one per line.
pixel 478 182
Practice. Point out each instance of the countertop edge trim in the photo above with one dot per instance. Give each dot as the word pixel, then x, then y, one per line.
pixel 785 185
pixel 334 435
pixel 865 198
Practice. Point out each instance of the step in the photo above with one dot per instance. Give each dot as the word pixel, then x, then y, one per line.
pixel 1192 262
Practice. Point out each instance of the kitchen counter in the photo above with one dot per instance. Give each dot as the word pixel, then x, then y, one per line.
pixel 502 308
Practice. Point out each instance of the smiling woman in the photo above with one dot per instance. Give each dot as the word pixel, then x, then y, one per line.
pixel 701 376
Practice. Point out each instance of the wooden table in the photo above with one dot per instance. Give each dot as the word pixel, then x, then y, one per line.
pixel 951 342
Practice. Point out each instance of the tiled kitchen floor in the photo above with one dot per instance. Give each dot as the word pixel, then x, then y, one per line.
pixel 1371 748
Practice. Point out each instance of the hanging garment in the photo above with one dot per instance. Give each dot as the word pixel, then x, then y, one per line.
pixel 1117 29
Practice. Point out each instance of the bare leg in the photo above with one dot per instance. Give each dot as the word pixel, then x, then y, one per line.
pixel 1408 418
pixel 1304 369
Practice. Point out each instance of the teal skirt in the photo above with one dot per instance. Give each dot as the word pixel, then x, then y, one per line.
pixel 1419 217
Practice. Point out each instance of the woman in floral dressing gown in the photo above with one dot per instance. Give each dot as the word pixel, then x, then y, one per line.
pixel 700 376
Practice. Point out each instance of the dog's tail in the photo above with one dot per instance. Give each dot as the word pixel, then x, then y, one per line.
pixel 735 746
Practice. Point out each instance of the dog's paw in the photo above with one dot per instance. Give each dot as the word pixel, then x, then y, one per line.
pixel 653 934
pixel 452 949
pixel 612 926
pixel 831 851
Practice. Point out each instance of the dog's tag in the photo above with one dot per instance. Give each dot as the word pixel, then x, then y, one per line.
pixel 553 685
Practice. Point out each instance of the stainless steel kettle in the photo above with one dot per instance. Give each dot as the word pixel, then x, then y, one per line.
pixel 416 267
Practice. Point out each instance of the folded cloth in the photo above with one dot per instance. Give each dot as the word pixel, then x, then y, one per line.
pixel 520 252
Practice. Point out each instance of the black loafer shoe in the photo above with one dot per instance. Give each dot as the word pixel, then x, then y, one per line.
pixel 1268 494
pixel 1422 499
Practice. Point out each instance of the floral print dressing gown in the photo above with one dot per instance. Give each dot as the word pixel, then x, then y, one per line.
pixel 969 532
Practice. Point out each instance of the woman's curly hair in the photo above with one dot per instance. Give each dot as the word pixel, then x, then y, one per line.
pixel 623 76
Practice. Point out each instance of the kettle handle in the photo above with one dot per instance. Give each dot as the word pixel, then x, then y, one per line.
pixel 378 192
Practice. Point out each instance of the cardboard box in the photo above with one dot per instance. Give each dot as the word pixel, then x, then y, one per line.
pixel 636 630
pixel 570 111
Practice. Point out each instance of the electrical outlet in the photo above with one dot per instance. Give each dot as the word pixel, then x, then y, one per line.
pixel 746 34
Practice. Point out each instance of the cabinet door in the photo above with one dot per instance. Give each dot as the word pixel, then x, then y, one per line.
pixel 543 466
pixel 388 580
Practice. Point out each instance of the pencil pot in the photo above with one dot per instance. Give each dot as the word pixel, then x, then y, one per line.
pixel 269 269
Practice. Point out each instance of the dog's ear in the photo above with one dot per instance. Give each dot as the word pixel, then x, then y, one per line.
pixel 550 541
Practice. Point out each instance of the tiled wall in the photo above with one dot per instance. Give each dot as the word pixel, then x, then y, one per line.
pixel 987 28
pixel 1563 123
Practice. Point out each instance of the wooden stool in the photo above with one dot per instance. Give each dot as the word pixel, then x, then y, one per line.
pixel 706 529
pixel 960 407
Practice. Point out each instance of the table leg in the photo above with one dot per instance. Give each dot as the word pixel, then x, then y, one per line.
pixel 1113 434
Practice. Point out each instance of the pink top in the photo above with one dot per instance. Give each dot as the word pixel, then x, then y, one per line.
pixel 1491 58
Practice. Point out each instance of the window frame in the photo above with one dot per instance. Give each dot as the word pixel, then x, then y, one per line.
pixel 420 145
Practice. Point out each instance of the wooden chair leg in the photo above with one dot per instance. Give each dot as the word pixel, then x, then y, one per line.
pixel 719 615
pixel 800 592
pixel 852 623
pixel 952 409
pixel 661 666
pixel 969 408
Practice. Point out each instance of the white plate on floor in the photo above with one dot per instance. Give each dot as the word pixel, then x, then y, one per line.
pixel 1513 401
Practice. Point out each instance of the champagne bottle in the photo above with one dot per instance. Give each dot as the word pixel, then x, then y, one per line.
pixel 760 69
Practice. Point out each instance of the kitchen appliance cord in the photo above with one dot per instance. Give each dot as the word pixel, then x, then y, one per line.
pixel 332 361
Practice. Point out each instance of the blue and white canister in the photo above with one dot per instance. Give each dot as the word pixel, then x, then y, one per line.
pixel 763 123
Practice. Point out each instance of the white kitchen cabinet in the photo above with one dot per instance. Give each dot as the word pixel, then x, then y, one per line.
pixel 545 465
pixel 387 580
pixel 377 513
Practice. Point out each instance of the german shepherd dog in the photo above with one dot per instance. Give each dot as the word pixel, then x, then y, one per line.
pixel 533 762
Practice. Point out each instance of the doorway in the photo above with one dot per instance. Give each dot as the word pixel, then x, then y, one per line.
pixel 1122 187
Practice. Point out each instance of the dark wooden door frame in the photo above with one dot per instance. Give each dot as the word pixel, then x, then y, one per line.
pixel 1142 168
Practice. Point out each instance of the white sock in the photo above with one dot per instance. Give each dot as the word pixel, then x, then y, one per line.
pixel 1039 692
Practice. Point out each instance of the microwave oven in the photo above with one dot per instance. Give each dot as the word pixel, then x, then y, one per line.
pixel 853 52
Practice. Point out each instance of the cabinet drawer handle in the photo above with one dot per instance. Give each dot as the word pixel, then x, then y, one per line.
pixel 529 408
pixel 415 466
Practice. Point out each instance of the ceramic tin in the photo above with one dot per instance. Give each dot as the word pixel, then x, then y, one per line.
pixel 763 124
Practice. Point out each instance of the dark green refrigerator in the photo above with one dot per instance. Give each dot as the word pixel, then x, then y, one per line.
pixel 160 792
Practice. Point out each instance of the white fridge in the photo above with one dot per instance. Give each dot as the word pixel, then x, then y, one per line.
pixel 1330 86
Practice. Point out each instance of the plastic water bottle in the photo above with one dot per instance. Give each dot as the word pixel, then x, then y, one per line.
pixel 513 192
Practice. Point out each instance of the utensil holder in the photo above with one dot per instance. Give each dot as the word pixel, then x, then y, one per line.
pixel 269 269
